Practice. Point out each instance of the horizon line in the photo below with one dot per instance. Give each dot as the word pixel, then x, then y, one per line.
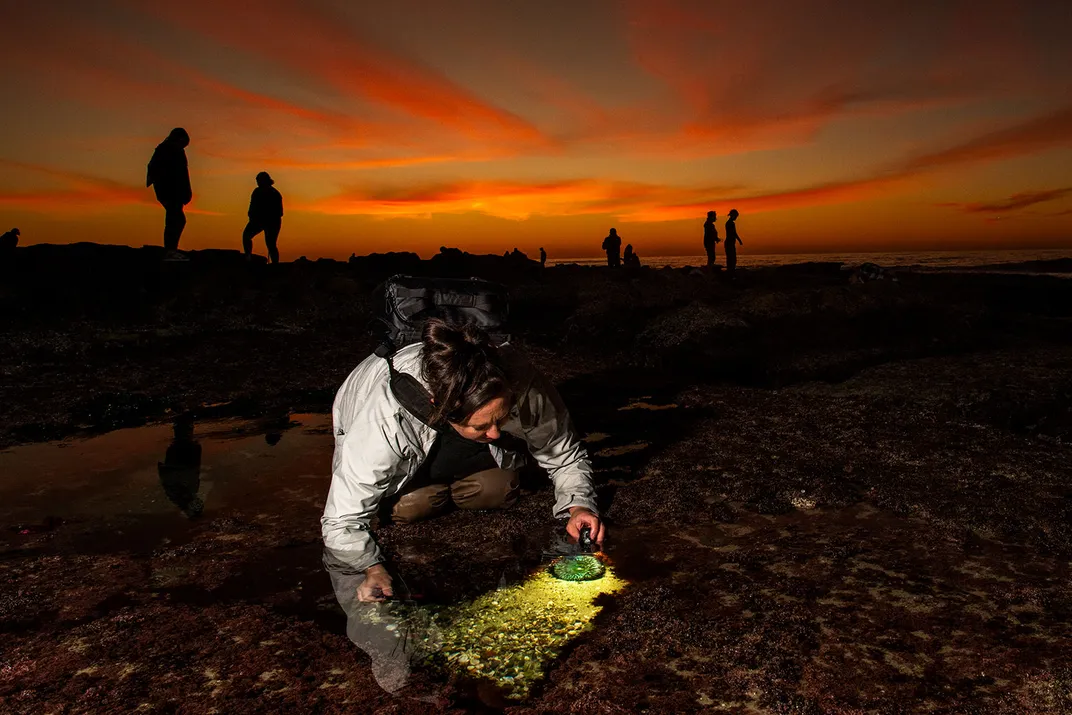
pixel 602 257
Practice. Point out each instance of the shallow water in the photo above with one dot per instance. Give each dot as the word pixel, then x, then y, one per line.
pixel 133 488
pixel 131 491
pixel 841 604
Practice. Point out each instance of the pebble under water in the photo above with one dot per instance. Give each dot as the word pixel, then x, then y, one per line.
pixel 509 636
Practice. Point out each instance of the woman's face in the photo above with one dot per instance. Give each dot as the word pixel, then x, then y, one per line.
pixel 483 425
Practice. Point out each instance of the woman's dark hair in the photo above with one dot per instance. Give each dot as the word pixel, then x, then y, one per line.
pixel 463 370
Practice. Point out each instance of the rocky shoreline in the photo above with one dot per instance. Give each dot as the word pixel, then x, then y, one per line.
pixel 100 337
pixel 825 496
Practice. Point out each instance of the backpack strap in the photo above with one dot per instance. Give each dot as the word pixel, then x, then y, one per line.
pixel 410 393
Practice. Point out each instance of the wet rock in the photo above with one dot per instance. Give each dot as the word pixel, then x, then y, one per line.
pixel 855 499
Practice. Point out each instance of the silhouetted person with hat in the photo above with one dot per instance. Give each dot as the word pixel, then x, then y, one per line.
pixel 180 472
pixel 543 257
pixel 732 239
pixel 710 237
pixel 265 214
pixel 8 242
pixel 169 175
pixel 612 244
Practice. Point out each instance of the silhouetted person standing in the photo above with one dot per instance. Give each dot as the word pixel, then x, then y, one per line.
pixel 543 257
pixel 732 239
pixel 710 237
pixel 265 214
pixel 169 175
pixel 8 242
pixel 612 244
pixel 180 472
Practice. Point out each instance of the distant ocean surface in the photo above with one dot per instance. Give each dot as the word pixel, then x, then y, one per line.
pixel 921 259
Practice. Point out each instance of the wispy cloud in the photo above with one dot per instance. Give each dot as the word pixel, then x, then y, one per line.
pixel 762 75
pixel 316 41
pixel 641 202
pixel 1048 131
pixel 510 200
pixel 267 158
pixel 316 89
pixel 1016 202
pixel 78 192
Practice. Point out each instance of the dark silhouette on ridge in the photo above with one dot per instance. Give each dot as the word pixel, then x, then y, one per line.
pixel 169 175
pixel 180 472
pixel 265 214
pixel 732 239
pixel 612 244
pixel 543 257
pixel 630 259
pixel 710 237
pixel 9 241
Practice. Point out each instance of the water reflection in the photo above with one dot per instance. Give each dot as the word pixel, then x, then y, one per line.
pixel 137 493
pixel 397 635
pixel 133 488
pixel 180 472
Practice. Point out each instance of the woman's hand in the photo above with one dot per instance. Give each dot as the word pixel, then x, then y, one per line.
pixel 377 585
pixel 581 517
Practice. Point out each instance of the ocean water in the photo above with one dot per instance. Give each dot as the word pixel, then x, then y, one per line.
pixel 921 259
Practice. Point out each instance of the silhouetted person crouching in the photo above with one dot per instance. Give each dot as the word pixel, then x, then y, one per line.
pixel 612 244
pixel 710 237
pixel 8 242
pixel 630 259
pixel 732 239
pixel 169 175
pixel 265 214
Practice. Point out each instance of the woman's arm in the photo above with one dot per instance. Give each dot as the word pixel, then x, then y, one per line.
pixel 548 432
pixel 367 461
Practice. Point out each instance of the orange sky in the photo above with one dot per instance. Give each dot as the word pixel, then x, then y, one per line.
pixel 835 125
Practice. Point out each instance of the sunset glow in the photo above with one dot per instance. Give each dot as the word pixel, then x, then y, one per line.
pixel 484 125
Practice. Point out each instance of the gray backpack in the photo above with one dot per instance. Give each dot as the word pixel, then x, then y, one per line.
pixel 411 300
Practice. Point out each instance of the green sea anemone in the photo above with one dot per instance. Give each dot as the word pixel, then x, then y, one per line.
pixel 578 568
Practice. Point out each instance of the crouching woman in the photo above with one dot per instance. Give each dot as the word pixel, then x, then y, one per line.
pixel 489 407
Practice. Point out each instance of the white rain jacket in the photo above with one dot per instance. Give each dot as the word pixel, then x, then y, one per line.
pixel 379 446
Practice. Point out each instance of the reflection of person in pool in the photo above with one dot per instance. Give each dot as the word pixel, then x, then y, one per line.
pixel 180 472
pixel 488 405
pixel 275 427
pixel 395 635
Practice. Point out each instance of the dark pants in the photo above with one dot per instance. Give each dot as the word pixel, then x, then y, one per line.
pixel 456 471
pixel 271 235
pixel 613 259
pixel 174 223
pixel 710 249
pixel 489 489
pixel 731 258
